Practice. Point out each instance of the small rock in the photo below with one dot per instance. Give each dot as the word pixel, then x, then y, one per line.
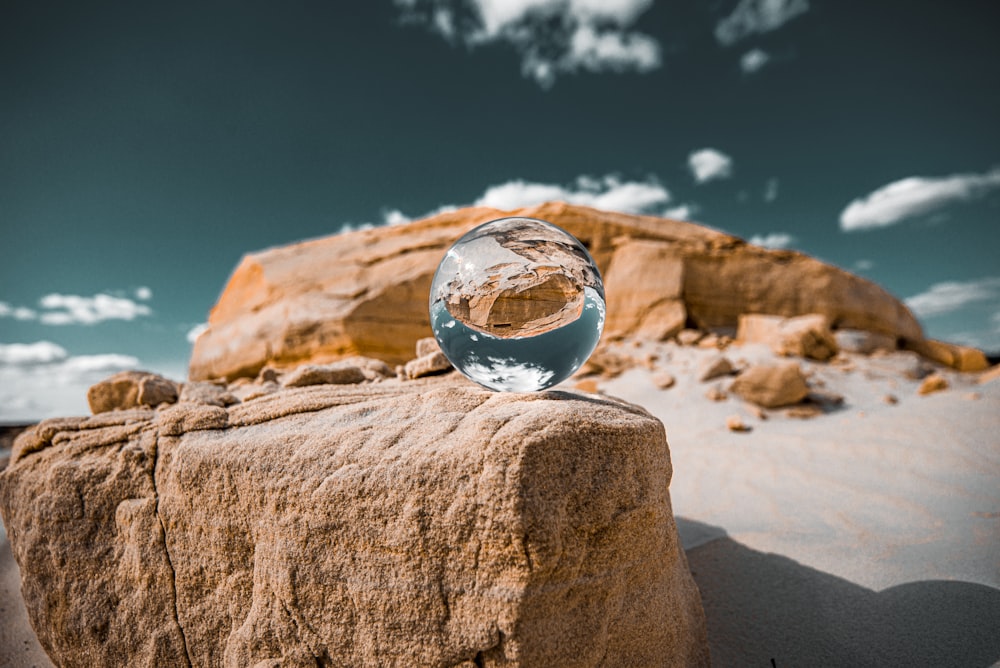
pixel 772 385
pixel 607 364
pixel 689 337
pixel 736 423
pixel 588 385
pixel 337 373
pixel 714 367
pixel 716 393
pixel 757 411
pixel 207 393
pixel 989 376
pixel 426 346
pixel 890 399
pixel 972 396
pixel 710 341
pixel 933 383
pixel 268 374
pixel 427 365
pixel 803 336
pixel 130 389
pixel 663 380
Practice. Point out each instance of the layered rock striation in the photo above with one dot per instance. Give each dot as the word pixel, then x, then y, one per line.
pixel 365 292
pixel 420 523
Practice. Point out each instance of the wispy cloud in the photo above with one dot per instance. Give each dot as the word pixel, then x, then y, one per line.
pixel 753 60
pixel 708 164
pixel 143 293
pixel 771 190
pixel 16 312
pixel 915 196
pixel 773 240
pixel 552 37
pixel 950 296
pixel 757 16
pixel 59 309
pixel 41 379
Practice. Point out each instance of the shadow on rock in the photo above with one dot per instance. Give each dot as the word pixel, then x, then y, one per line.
pixel 764 606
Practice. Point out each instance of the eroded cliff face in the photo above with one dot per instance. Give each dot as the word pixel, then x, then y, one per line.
pixel 380 523
pixel 365 292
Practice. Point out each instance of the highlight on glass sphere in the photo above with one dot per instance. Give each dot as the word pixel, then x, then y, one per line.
pixel 517 305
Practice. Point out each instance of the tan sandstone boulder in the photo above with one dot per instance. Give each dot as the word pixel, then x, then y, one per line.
pixel 131 389
pixel 772 385
pixel 807 336
pixel 365 292
pixel 425 523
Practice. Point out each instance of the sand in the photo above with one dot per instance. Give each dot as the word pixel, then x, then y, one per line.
pixel 867 536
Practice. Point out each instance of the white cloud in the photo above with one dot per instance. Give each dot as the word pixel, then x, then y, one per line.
pixel 24 354
pixel 757 16
pixel 196 331
pixel 753 60
pixel 609 193
pixel 771 190
pixel 40 379
pixel 915 196
pixel 707 164
pixel 18 312
pixel 680 212
pixel 143 293
pixel 76 310
pixel 773 240
pixel 552 37
pixel 864 265
pixel 950 296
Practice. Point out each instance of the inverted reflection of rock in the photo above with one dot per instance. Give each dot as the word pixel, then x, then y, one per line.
pixel 522 363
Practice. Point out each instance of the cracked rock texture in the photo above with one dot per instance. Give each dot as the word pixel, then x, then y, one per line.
pixel 426 523
pixel 365 292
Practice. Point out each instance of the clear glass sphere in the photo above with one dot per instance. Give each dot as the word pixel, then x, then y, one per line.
pixel 517 305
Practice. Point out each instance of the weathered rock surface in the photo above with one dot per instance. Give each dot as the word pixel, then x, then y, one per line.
pixel 772 385
pixel 961 358
pixel 365 292
pixel 807 336
pixel 130 389
pixel 425 523
pixel 714 367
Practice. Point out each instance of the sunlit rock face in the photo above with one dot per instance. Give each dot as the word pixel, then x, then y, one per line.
pixel 517 304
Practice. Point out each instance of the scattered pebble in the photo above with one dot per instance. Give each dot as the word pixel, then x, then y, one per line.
pixel 933 383
pixel 716 393
pixel 890 399
pixel 663 380
pixel 588 385
pixel 735 423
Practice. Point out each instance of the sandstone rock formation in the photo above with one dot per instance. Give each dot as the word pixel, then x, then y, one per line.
pixel 419 523
pixel 365 292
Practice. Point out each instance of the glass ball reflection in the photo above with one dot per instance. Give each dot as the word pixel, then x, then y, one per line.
pixel 517 305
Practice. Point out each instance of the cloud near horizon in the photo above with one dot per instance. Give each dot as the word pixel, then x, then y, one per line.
pixel 609 193
pixel 552 37
pixel 708 164
pixel 41 379
pixel 915 196
pixel 773 240
pixel 950 296
pixel 757 16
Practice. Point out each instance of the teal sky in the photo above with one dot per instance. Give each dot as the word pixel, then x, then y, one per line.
pixel 145 148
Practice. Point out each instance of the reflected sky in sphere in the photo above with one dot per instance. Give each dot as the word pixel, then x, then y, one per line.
pixel 517 305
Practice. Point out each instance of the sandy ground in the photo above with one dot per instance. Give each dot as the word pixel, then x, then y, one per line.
pixel 867 536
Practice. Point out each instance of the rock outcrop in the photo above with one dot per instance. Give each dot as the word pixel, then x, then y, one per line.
pixel 365 292
pixel 418 523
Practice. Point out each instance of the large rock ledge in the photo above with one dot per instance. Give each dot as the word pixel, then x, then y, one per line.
pixel 421 524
